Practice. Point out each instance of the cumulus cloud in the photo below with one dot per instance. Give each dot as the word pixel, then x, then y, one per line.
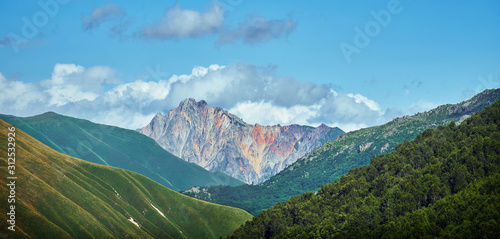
pixel 19 95
pixel 72 83
pixel 102 14
pixel 182 23
pixel 257 30
pixel 241 82
pixel 256 94
pixel 265 113
pixel 71 90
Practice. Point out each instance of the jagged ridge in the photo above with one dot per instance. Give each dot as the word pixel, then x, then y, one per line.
pixel 219 141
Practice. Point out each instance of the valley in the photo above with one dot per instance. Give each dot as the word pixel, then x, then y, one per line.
pixel 249 119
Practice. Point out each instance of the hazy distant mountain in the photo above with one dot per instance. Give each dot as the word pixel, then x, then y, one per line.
pixel 117 147
pixel 330 161
pixel 220 141
pixel 58 196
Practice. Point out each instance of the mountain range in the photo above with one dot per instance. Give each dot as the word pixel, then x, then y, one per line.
pixel 219 141
pixel 336 158
pixel 58 196
pixel 440 181
pixel 113 146
pixel 443 184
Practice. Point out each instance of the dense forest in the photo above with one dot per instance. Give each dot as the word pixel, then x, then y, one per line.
pixel 445 183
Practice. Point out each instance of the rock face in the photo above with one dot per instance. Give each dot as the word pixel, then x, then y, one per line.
pixel 220 141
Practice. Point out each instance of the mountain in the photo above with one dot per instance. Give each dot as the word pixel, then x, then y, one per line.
pixel 58 196
pixel 219 141
pixel 330 161
pixel 445 183
pixel 117 147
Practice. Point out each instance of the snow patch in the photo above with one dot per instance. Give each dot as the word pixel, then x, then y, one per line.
pixel 134 222
pixel 117 194
pixel 161 213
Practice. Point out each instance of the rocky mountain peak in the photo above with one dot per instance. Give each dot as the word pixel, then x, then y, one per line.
pixel 220 141
pixel 188 101
pixel 321 126
pixel 191 103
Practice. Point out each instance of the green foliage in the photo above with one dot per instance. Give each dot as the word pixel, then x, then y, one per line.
pixel 117 147
pixel 445 183
pixel 336 158
pixel 58 196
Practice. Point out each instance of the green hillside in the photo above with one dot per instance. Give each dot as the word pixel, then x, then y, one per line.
pixel 329 162
pixel 445 183
pixel 58 196
pixel 117 147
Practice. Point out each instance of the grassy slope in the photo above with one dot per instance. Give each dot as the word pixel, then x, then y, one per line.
pixel 445 183
pixel 117 147
pixel 61 196
pixel 329 162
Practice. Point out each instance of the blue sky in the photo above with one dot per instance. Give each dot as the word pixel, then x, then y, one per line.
pixel 120 62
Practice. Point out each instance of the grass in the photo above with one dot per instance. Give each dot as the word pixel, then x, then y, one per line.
pixel 62 196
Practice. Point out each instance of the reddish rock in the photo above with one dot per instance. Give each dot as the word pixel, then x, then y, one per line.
pixel 219 141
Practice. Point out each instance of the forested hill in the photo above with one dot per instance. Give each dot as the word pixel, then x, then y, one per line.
pixel 334 159
pixel 445 183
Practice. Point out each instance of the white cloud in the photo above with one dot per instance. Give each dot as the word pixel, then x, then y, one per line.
pixel 256 94
pixel 62 95
pixel 336 110
pixel 102 14
pixel 18 95
pixel 362 99
pixel 182 23
pixel 265 113
pixel 239 82
pixel 124 116
pixel 72 83
pixel 139 92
